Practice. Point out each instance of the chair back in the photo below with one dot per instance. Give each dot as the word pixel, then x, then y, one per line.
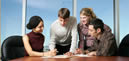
pixel 12 47
pixel 124 46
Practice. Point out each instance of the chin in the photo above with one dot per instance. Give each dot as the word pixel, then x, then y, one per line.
pixel 84 23
pixel 63 25
pixel 40 31
pixel 92 36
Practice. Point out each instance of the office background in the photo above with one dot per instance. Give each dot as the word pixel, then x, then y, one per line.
pixel 11 14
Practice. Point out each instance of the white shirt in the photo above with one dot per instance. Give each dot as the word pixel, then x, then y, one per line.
pixel 64 35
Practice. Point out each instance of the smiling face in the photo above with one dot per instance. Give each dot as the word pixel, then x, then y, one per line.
pixel 62 21
pixel 93 32
pixel 39 28
pixel 84 19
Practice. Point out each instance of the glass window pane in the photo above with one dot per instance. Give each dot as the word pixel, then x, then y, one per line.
pixel 124 18
pixel 48 11
pixel 102 8
pixel 11 18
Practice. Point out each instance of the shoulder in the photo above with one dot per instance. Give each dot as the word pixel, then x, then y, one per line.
pixel 43 36
pixel 25 37
pixel 54 23
pixel 108 35
pixel 73 18
pixel 54 26
pixel 107 28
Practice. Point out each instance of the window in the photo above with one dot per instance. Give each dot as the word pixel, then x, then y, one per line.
pixel 124 18
pixel 102 8
pixel 48 11
pixel 11 18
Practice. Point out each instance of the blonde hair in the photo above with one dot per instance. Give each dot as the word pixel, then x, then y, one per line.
pixel 88 12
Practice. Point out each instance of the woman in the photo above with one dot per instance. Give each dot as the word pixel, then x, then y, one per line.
pixel 33 41
pixel 85 40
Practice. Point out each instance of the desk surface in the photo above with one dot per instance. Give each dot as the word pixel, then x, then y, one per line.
pixel 97 58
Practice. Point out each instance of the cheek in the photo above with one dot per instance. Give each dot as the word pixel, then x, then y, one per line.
pixel 81 20
pixel 42 28
pixel 61 22
pixel 95 34
pixel 92 33
pixel 37 29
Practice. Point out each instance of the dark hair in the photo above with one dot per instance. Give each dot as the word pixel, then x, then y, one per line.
pixel 33 22
pixel 97 23
pixel 64 13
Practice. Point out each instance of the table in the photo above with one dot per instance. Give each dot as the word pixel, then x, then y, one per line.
pixel 95 58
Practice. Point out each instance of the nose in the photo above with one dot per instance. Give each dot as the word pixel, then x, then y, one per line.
pixel 42 28
pixel 63 22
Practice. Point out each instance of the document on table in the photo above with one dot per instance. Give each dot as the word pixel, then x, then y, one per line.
pixel 57 56
pixel 82 55
pixel 65 56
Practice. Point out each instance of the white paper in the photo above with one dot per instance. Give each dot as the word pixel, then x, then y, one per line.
pixel 65 56
pixel 57 56
pixel 82 55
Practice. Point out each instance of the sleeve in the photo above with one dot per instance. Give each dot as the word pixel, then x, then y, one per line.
pixel 52 39
pixel 80 36
pixel 94 46
pixel 107 46
pixel 74 36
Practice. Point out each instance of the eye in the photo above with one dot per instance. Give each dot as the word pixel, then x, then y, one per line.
pixel 61 20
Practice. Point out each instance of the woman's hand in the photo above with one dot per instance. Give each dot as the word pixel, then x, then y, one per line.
pixel 78 51
pixel 50 53
pixel 86 52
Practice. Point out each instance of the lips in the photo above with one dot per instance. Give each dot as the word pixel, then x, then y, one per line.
pixel 83 21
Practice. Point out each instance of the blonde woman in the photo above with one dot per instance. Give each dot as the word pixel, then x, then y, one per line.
pixel 85 40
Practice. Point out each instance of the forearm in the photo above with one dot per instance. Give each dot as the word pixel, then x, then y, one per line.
pixel 34 53
pixel 52 45
pixel 74 36
pixel 73 47
pixel 52 39
pixel 74 42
